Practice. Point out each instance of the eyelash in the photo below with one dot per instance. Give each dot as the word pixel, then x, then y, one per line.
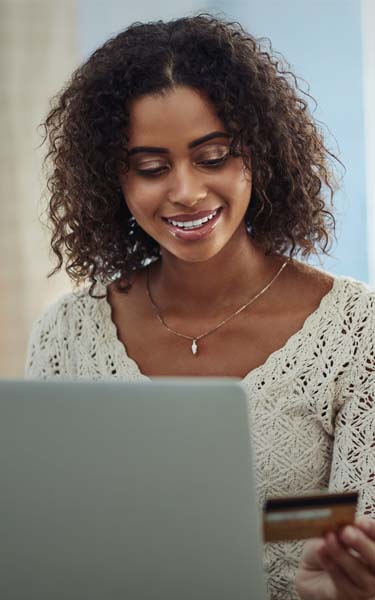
pixel 210 164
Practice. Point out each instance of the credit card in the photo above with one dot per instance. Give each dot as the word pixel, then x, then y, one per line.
pixel 302 517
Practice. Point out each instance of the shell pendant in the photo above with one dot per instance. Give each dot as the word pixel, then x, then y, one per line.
pixel 194 347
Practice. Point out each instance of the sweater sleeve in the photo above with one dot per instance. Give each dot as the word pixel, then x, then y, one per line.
pixel 46 355
pixel 353 460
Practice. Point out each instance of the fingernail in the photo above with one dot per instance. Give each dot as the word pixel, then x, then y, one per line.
pixel 330 538
pixel 351 534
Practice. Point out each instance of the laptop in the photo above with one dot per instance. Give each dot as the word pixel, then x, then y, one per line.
pixel 136 491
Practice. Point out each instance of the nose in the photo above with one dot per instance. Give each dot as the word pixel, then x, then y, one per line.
pixel 186 186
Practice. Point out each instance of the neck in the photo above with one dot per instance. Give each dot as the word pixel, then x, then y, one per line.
pixel 230 278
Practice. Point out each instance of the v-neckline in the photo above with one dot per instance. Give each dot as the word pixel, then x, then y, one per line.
pixel 274 359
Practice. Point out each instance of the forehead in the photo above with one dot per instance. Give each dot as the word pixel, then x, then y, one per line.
pixel 178 115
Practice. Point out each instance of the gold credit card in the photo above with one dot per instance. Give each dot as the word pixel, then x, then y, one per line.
pixel 302 517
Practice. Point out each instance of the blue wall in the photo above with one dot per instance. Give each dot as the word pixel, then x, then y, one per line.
pixel 322 41
pixel 100 19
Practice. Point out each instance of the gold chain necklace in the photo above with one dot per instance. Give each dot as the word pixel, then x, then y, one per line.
pixel 195 340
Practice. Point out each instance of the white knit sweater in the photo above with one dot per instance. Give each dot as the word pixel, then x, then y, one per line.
pixel 312 402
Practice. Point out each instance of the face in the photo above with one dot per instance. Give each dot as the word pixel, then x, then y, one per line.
pixel 183 187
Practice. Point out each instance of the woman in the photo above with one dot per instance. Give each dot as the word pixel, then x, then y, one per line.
pixel 187 176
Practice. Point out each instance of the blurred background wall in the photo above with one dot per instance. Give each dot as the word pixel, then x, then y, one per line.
pixel 38 50
pixel 329 43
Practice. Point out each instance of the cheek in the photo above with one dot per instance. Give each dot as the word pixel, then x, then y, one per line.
pixel 236 187
pixel 142 198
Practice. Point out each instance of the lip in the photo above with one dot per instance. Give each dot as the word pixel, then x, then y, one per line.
pixel 194 234
pixel 192 216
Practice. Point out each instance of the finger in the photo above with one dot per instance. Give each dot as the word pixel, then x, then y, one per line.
pixel 358 573
pixel 367 525
pixel 344 586
pixel 319 552
pixel 311 549
pixel 354 537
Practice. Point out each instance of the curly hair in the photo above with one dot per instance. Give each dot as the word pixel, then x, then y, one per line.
pixel 256 97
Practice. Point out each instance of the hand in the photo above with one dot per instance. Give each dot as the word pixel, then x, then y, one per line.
pixel 341 566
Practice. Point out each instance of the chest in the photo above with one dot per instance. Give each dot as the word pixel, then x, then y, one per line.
pixel 232 350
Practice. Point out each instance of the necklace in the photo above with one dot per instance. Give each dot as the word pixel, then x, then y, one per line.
pixel 196 339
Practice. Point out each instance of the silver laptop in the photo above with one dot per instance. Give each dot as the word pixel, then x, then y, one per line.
pixel 113 491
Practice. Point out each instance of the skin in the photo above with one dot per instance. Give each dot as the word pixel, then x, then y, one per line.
pixel 340 567
pixel 197 284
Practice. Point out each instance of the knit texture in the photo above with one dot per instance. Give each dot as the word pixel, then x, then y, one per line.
pixel 311 403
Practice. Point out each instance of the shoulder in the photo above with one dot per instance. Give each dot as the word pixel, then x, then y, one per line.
pixel 69 316
pixel 62 331
pixel 349 303
pixel 349 314
pixel 342 293
pixel 355 302
pixel 339 310
pixel 354 299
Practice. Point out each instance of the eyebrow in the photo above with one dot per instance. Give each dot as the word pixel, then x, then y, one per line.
pixel 193 144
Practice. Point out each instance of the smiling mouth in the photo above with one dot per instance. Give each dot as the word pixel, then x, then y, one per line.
pixel 184 227
pixel 193 224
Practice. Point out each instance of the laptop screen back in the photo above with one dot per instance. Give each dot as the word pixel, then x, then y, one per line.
pixel 133 491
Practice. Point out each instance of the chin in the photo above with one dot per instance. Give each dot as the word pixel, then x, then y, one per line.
pixel 194 255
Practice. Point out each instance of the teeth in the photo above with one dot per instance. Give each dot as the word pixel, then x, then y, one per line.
pixel 192 224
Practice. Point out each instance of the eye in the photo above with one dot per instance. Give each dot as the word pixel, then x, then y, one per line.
pixel 153 171
pixel 213 162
